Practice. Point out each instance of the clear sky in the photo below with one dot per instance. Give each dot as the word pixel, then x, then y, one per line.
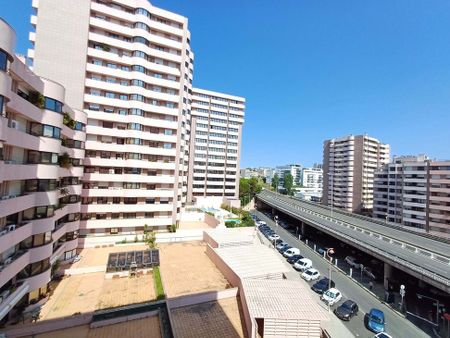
pixel 317 69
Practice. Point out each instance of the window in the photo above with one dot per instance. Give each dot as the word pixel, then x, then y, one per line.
pixel 38 129
pixel 3 60
pixel 37 157
pixel 110 95
pixel 52 104
pixel 2 103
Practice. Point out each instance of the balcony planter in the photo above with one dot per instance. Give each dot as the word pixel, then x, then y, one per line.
pixel 64 161
pixel 69 121
pixel 37 99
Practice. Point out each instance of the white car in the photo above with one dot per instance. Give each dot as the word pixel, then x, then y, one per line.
pixel 303 264
pixel 352 261
pixel 331 296
pixel 261 223
pixel 273 237
pixel 291 252
pixel 310 274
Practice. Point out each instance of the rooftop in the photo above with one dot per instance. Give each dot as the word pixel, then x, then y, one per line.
pixel 219 319
pixel 252 261
pixel 270 299
pixel 233 236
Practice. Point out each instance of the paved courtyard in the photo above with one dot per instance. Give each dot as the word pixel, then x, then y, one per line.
pixel 186 269
pixel 218 319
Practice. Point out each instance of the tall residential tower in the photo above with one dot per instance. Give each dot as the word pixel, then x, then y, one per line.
pixel 349 164
pixel 129 66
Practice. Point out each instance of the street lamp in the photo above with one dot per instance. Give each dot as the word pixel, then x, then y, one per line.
pixel 330 251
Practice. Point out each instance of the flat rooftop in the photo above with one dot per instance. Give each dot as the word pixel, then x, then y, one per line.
pixel 252 261
pixel 186 269
pixel 139 328
pixel 271 299
pixel 233 236
pixel 218 319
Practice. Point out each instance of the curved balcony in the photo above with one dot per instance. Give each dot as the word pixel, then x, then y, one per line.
pixel 107 162
pixel 73 152
pixel 22 106
pixel 72 171
pixel 18 262
pixel 129 178
pixel 5 85
pixel 120 192
pixel 132 148
pixel 73 134
pixel 124 223
pixel 111 208
pixel 14 297
pixel 21 139
pixel 147 121
pixel 65 227
pixel 15 234
pixel 17 204
pixel 13 172
pixel 39 280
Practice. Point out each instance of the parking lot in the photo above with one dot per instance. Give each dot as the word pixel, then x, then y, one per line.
pixel 349 287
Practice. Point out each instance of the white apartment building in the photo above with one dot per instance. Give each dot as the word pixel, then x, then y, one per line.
pixel 349 164
pixel 133 77
pixel 41 155
pixel 312 178
pixel 414 191
pixel 216 133
pixel 294 169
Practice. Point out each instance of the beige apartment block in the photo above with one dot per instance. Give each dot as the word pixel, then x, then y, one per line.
pixel 129 66
pixel 349 164
pixel 414 191
pixel 216 134
pixel 41 155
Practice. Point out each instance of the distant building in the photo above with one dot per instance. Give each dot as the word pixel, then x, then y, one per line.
pixel 349 164
pixel 414 191
pixel 312 178
pixel 294 169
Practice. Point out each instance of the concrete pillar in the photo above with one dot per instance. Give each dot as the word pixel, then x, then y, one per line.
pixel 302 229
pixel 387 275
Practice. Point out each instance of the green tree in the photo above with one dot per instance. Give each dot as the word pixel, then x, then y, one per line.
pixel 248 188
pixel 275 182
pixel 149 238
pixel 288 184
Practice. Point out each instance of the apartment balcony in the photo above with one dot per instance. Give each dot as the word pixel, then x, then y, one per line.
pixel 443 217
pixel 73 152
pixel 27 200
pixel 130 178
pixel 72 171
pixel 109 162
pixel 147 121
pixel 114 208
pixel 65 227
pixel 126 133
pixel 11 297
pixel 132 148
pixel 14 171
pixel 15 233
pixel 125 223
pixel 73 134
pixel 21 106
pixel 13 265
pixel 120 192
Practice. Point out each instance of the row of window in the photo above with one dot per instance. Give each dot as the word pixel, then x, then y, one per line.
pixel 213 164
pixel 216 157
pixel 35 185
pixel 3 60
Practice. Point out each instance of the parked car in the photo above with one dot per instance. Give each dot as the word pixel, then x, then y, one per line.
pixel 310 275
pixel 293 259
pixel 291 252
pixel 280 244
pixel 331 296
pixel 273 237
pixel 369 272
pixel 283 248
pixel 376 321
pixel 321 250
pixel 262 223
pixel 346 310
pixel 303 264
pixel 353 262
pixel 322 285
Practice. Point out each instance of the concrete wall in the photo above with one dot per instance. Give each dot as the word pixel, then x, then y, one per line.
pixel 199 298
pixel 211 220
pixel 229 274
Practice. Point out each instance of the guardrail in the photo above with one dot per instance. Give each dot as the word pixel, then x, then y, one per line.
pixel 369 247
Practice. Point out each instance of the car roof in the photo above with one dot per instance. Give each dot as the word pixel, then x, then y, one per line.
pixel 377 312
pixel 312 270
pixel 334 290
pixel 349 302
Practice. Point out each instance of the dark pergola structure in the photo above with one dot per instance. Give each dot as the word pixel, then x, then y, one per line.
pixel 124 261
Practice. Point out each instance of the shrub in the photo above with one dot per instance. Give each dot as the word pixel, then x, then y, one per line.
pixel 64 161
pixel 37 99
pixel 69 121
pixel 158 284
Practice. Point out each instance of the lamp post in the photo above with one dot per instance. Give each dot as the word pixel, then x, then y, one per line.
pixel 330 251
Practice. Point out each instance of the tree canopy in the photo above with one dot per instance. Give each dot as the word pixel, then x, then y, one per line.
pixel 275 181
pixel 248 188
pixel 288 183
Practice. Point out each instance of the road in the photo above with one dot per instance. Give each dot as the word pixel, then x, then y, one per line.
pixel 409 260
pixel 396 325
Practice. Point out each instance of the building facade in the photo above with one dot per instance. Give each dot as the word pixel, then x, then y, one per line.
pixel 414 191
pixel 312 178
pixel 349 164
pixel 216 134
pixel 135 85
pixel 41 156
pixel 294 169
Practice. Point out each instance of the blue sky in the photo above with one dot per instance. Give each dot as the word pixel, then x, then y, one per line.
pixel 313 70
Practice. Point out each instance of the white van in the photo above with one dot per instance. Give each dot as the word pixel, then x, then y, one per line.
pixel 303 264
pixel 261 223
pixel 291 252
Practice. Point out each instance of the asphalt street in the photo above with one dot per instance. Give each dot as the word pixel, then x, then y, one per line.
pixel 396 325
